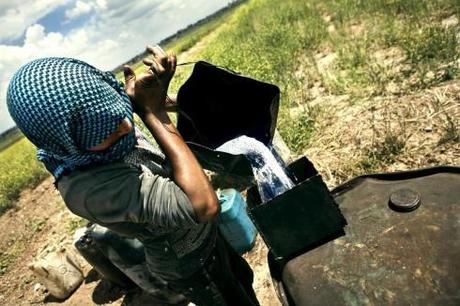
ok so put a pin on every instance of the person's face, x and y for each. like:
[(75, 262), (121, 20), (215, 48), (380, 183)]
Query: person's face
[(124, 128)]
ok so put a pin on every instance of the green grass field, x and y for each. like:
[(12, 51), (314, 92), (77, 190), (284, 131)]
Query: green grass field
[(19, 169), (357, 49), (273, 40)]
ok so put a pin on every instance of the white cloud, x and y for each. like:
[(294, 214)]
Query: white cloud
[(81, 8), (102, 4), (17, 16), (34, 34), (167, 5), (119, 30)]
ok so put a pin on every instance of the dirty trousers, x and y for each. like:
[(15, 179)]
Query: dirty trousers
[(226, 279)]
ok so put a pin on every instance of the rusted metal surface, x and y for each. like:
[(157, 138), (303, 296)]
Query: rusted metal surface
[(386, 257)]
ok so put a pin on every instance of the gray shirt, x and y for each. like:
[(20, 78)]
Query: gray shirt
[(132, 200)]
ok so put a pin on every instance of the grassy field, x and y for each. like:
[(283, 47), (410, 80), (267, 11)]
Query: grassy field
[(361, 53), (19, 169), (352, 52), (283, 42)]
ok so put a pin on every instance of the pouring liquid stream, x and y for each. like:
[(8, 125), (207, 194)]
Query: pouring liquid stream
[(269, 171)]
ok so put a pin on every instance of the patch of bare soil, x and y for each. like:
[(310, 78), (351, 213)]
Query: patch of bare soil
[(38, 221), (263, 285), (414, 131), (450, 21)]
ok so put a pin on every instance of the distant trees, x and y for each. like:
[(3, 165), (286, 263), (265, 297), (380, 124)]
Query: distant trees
[(181, 33)]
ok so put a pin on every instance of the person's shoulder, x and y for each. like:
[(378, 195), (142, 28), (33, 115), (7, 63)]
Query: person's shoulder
[(104, 194), (90, 177)]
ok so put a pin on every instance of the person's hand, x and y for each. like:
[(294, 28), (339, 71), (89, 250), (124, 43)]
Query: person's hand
[(148, 91)]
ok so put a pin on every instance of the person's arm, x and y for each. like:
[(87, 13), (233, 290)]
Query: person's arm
[(171, 103), (187, 172), (148, 93)]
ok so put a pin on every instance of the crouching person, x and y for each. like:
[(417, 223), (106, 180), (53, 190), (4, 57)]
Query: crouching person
[(81, 120)]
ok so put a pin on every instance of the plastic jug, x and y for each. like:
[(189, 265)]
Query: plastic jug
[(59, 272), (234, 223)]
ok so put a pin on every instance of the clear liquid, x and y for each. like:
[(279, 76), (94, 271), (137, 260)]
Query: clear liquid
[(269, 172)]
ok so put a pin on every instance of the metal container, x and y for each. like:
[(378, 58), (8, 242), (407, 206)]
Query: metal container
[(402, 245), (299, 219)]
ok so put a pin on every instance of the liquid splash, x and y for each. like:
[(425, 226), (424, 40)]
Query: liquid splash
[(269, 173)]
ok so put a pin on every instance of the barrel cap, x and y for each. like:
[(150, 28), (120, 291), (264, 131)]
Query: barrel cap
[(404, 200)]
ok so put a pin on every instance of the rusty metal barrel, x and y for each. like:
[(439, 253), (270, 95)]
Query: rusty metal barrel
[(402, 245)]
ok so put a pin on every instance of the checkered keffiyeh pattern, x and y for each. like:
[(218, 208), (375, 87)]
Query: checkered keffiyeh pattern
[(66, 106)]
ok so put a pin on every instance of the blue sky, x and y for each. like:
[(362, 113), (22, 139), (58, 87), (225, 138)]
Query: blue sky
[(103, 33)]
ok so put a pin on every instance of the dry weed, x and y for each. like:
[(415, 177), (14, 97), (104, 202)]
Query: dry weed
[(387, 134)]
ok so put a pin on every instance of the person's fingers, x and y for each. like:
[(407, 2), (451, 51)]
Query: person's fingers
[(155, 77), (130, 78), (158, 54), (154, 68), (129, 74), (162, 57), (160, 51), (151, 76), (150, 49), (173, 62), (147, 61), (158, 68)]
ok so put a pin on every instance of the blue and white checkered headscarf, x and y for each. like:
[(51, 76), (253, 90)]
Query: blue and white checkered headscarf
[(66, 106)]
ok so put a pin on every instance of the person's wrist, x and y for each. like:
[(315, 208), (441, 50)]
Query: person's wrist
[(154, 113), (152, 102)]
